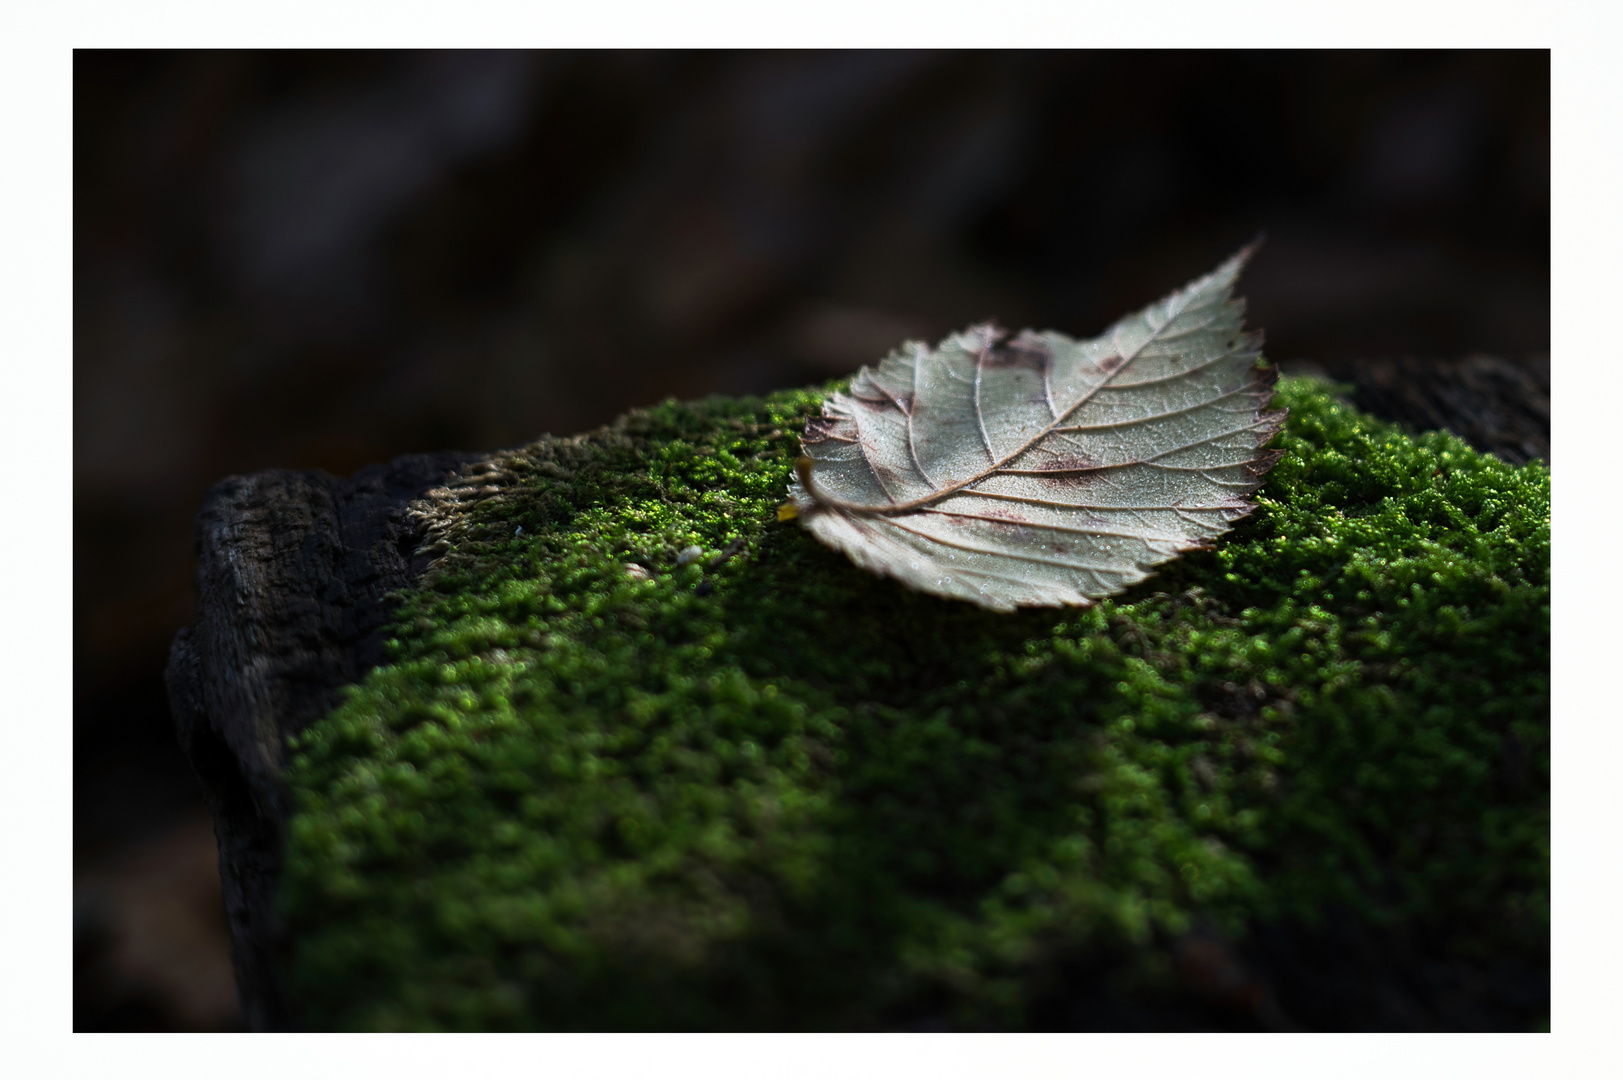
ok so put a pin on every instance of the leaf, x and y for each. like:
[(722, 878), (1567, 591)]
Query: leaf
[(1041, 470)]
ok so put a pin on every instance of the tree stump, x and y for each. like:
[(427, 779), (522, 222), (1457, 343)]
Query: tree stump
[(300, 580)]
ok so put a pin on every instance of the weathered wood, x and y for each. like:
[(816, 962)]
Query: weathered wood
[(1499, 405), (294, 575)]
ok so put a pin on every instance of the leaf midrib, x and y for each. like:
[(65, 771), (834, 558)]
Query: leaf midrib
[(808, 481)]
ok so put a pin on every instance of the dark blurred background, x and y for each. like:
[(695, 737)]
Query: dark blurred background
[(327, 259)]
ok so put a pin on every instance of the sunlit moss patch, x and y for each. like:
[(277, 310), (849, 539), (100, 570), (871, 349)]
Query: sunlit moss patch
[(605, 785)]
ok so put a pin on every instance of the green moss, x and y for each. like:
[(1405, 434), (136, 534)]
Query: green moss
[(774, 791)]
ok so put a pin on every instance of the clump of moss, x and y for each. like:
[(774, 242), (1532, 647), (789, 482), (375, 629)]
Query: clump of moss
[(764, 789)]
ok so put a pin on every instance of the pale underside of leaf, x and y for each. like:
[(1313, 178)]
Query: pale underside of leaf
[(1041, 470)]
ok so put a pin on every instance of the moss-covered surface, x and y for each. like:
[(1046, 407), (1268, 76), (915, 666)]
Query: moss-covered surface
[(770, 790)]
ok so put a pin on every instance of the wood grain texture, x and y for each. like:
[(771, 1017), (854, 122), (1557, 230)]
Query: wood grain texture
[(294, 575)]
